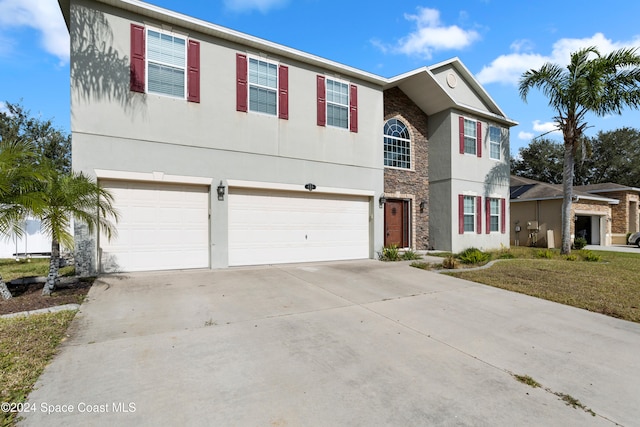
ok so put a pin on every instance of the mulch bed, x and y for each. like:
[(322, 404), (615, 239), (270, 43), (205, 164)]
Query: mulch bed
[(29, 297)]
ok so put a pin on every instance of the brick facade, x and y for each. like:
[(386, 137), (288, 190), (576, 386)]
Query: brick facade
[(625, 214), (413, 184)]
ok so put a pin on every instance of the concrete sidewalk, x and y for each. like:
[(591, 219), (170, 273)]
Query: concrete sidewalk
[(340, 344)]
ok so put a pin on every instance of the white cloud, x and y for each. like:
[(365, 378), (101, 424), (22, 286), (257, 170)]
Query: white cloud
[(543, 127), (430, 35), (508, 69), (248, 5), (526, 136), (42, 15)]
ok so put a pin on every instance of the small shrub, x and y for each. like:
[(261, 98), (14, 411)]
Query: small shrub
[(410, 255), (390, 253), (571, 257), (473, 256), (590, 256), (579, 243), (505, 252), (450, 262), (547, 253)]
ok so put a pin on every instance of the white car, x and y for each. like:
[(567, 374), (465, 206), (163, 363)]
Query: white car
[(634, 239)]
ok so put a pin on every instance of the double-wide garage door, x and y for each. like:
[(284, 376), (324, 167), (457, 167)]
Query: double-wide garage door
[(271, 227), (161, 227), (166, 226)]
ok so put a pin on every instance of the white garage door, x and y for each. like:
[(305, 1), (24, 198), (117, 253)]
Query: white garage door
[(161, 227), (271, 227)]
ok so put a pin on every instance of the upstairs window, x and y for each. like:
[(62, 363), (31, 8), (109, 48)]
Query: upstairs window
[(164, 63), (470, 141), (263, 86), (397, 145), (337, 104), (470, 136), (495, 135)]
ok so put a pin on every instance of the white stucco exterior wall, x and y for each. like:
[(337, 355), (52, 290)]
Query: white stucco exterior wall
[(115, 129)]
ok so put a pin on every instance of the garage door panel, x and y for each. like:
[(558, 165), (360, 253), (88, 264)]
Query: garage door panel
[(278, 227), (161, 227)]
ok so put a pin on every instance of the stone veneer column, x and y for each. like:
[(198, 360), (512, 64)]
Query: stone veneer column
[(410, 184)]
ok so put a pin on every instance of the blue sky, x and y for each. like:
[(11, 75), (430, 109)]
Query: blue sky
[(496, 40)]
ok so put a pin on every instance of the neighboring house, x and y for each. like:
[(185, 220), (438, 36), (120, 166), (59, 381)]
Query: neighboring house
[(223, 149), (625, 216), (32, 242), (536, 215)]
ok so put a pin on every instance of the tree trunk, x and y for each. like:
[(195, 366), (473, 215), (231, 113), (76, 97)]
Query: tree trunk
[(4, 291), (567, 201), (54, 265)]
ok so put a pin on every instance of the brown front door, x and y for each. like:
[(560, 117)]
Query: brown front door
[(396, 223)]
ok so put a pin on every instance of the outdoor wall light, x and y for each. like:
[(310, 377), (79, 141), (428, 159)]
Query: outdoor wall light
[(423, 204), (310, 186), (220, 191), (382, 200)]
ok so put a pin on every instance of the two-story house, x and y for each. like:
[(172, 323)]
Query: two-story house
[(222, 149)]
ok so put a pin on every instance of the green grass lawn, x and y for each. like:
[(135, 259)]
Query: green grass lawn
[(610, 286), (27, 344), (11, 269)]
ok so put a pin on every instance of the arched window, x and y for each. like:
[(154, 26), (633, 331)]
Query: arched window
[(397, 145)]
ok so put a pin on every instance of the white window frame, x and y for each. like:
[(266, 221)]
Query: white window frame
[(475, 136), (469, 214), (493, 215), (397, 138), (347, 105), (147, 60), (259, 86), (493, 144)]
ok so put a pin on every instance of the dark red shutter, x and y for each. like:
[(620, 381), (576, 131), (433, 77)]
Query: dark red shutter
[(479, 214), (353, 108), (479, 137), (322, 109), (241, 82), (503, 216), (193, 75), (460, 214), (487, 213), (283, 84), (137, 71), (461, 130)]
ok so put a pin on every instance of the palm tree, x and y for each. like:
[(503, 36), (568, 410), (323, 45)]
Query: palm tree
[(591, 83), (78, 197), (20, 180)]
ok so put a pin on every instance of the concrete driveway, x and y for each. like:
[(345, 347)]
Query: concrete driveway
[(359, 343)]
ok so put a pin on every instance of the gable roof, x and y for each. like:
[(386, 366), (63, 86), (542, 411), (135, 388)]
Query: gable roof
[(526, 190), (427, 93), (420, 84)]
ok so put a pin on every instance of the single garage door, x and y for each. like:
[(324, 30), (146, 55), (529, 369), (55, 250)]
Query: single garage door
[(271, 227), (161, 227)]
